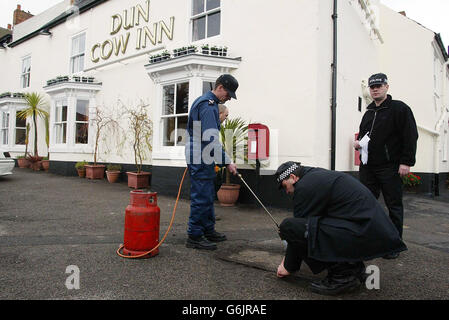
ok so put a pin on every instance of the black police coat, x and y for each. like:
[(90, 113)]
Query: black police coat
[(345, 222), (392, 131)]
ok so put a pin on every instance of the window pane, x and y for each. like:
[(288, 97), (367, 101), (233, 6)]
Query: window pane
[(197, 6), (5, 136), (182, 130), (82, 110), (20, 123), (182, 98), (169, 98), (199, 29), (212, 4), (213, 24), (81, 63), (207, 86), (64, 113), (82, 133), (169, 131), (20, 136), (82, 43), (61, 132)]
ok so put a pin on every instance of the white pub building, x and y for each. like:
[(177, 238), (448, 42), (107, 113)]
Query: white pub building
[(302, 66)]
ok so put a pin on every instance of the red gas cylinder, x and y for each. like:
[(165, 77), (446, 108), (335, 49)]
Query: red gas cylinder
[(142, 218)]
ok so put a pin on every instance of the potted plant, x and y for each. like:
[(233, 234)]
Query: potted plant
[(90, 79), (35, 108), (191, 49), (411, 182), (233, 133), (113, 172), (45, 163), (141, 131), (80, 168), (165, 55), (214, 51), (77, 78), (23, 162), (224, 51), (205, 49), (100, 122)]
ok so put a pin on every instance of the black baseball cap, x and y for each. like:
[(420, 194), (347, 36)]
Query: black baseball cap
[(378, 78), (284, 171), (229, 83)]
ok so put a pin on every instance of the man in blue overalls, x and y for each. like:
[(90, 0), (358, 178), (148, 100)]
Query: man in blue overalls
[(203, 150)]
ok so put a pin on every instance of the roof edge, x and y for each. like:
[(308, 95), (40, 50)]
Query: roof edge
[(57, 21)]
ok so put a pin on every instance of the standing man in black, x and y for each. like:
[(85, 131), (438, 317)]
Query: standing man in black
[(390, 129)]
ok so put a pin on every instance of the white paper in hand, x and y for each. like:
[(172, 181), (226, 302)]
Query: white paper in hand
[(364, 148)]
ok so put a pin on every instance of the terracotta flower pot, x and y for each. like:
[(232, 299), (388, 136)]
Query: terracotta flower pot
[(46, 164), (23, 163), (228, 194), (95, 171), (81, 172), (138, 180), (112, 176)]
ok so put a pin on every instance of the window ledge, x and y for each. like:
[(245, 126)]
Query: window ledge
[(190, 63), (74, 149), (72, 85)]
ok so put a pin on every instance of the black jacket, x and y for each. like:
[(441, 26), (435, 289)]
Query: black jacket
[(345, 222), (393, 133)]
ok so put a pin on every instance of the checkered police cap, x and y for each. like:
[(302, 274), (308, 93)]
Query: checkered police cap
[(286, 169)]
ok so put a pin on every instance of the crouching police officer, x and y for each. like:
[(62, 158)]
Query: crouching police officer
[(337, 225), (203, 152)]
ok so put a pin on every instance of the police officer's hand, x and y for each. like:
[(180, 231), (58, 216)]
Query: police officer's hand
[(232, 168), (403, 170), (282, 272)]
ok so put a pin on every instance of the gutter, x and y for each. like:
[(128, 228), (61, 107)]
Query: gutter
[(56, 21), (334, 88)]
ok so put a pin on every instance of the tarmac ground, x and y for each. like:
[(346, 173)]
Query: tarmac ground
[(51, 225)]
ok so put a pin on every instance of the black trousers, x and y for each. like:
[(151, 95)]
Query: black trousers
[(293, 231), (386, 179)]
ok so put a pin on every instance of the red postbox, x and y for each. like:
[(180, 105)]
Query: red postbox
[(356, 153), (258, 141)]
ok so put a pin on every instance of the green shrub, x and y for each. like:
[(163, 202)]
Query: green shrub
[(114, 167), (81, 164)]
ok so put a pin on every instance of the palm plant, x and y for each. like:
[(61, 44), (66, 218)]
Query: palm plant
[(234, 136), (36, 107)]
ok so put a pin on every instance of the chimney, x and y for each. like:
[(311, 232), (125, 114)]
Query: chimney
[(20, 16), (403, 13)]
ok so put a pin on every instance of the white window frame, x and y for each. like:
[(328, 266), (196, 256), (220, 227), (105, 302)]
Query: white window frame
[(81, 122), (4, 127), (18, 128), (174, 115), (72, 91), (78, 55), (11, 106), (59, 105), (25, 75), (194, 69), (205, 13)]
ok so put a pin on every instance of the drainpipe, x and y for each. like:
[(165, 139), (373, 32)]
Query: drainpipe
[(334, 89), (438, 129)]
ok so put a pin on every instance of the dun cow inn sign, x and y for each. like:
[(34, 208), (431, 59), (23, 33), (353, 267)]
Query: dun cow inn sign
[(132, 18)]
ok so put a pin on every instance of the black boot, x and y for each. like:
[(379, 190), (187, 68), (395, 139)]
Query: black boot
[(341, 278), (215, 236), (200, 243)]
